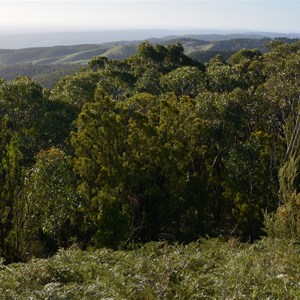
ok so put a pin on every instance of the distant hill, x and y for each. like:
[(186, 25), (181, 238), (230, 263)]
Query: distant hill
[(193, 46), (120, 51), (81, 54), (18, 41), (46, 75), (48, 64), (51, 55)]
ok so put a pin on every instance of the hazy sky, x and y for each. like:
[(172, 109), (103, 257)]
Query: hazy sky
[(43, 15)]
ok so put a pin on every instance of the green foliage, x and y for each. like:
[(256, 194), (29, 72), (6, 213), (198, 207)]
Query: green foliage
[(221, 77), (11, 245), (136, 156), (243, 69), (285, 222), (183, 81), (283, 67), (208, 269), (149, 82), (24, 131), (45, 75), (161, 148), (51, 196), (250, 188), (75, 90)]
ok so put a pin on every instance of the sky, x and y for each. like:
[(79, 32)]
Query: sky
[(55, 16)]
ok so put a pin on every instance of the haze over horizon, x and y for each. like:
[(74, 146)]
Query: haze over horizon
[(19, 17)]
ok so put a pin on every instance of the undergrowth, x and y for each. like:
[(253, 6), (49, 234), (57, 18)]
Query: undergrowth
[(207, 269)]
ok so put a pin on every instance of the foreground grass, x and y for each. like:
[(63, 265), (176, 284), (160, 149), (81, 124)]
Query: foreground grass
[(208, 269)]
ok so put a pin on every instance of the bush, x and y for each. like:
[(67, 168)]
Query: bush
[(207, 269)]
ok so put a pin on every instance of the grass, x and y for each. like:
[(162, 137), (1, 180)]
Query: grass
[(85, 55), (208, 269), (120, 52)]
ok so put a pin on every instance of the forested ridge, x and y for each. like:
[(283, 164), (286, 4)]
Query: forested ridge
[(154, 147)]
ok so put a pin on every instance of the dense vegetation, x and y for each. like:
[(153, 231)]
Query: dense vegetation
[(153, 147), (209, 269), (46, 75)]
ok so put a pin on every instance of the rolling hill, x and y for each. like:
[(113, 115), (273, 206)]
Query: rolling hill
[(81, 54), (48, 64)]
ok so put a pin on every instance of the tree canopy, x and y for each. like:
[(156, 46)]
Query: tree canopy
[(155, 146)]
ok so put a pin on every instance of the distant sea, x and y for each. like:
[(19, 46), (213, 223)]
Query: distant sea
[(28, 40)]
